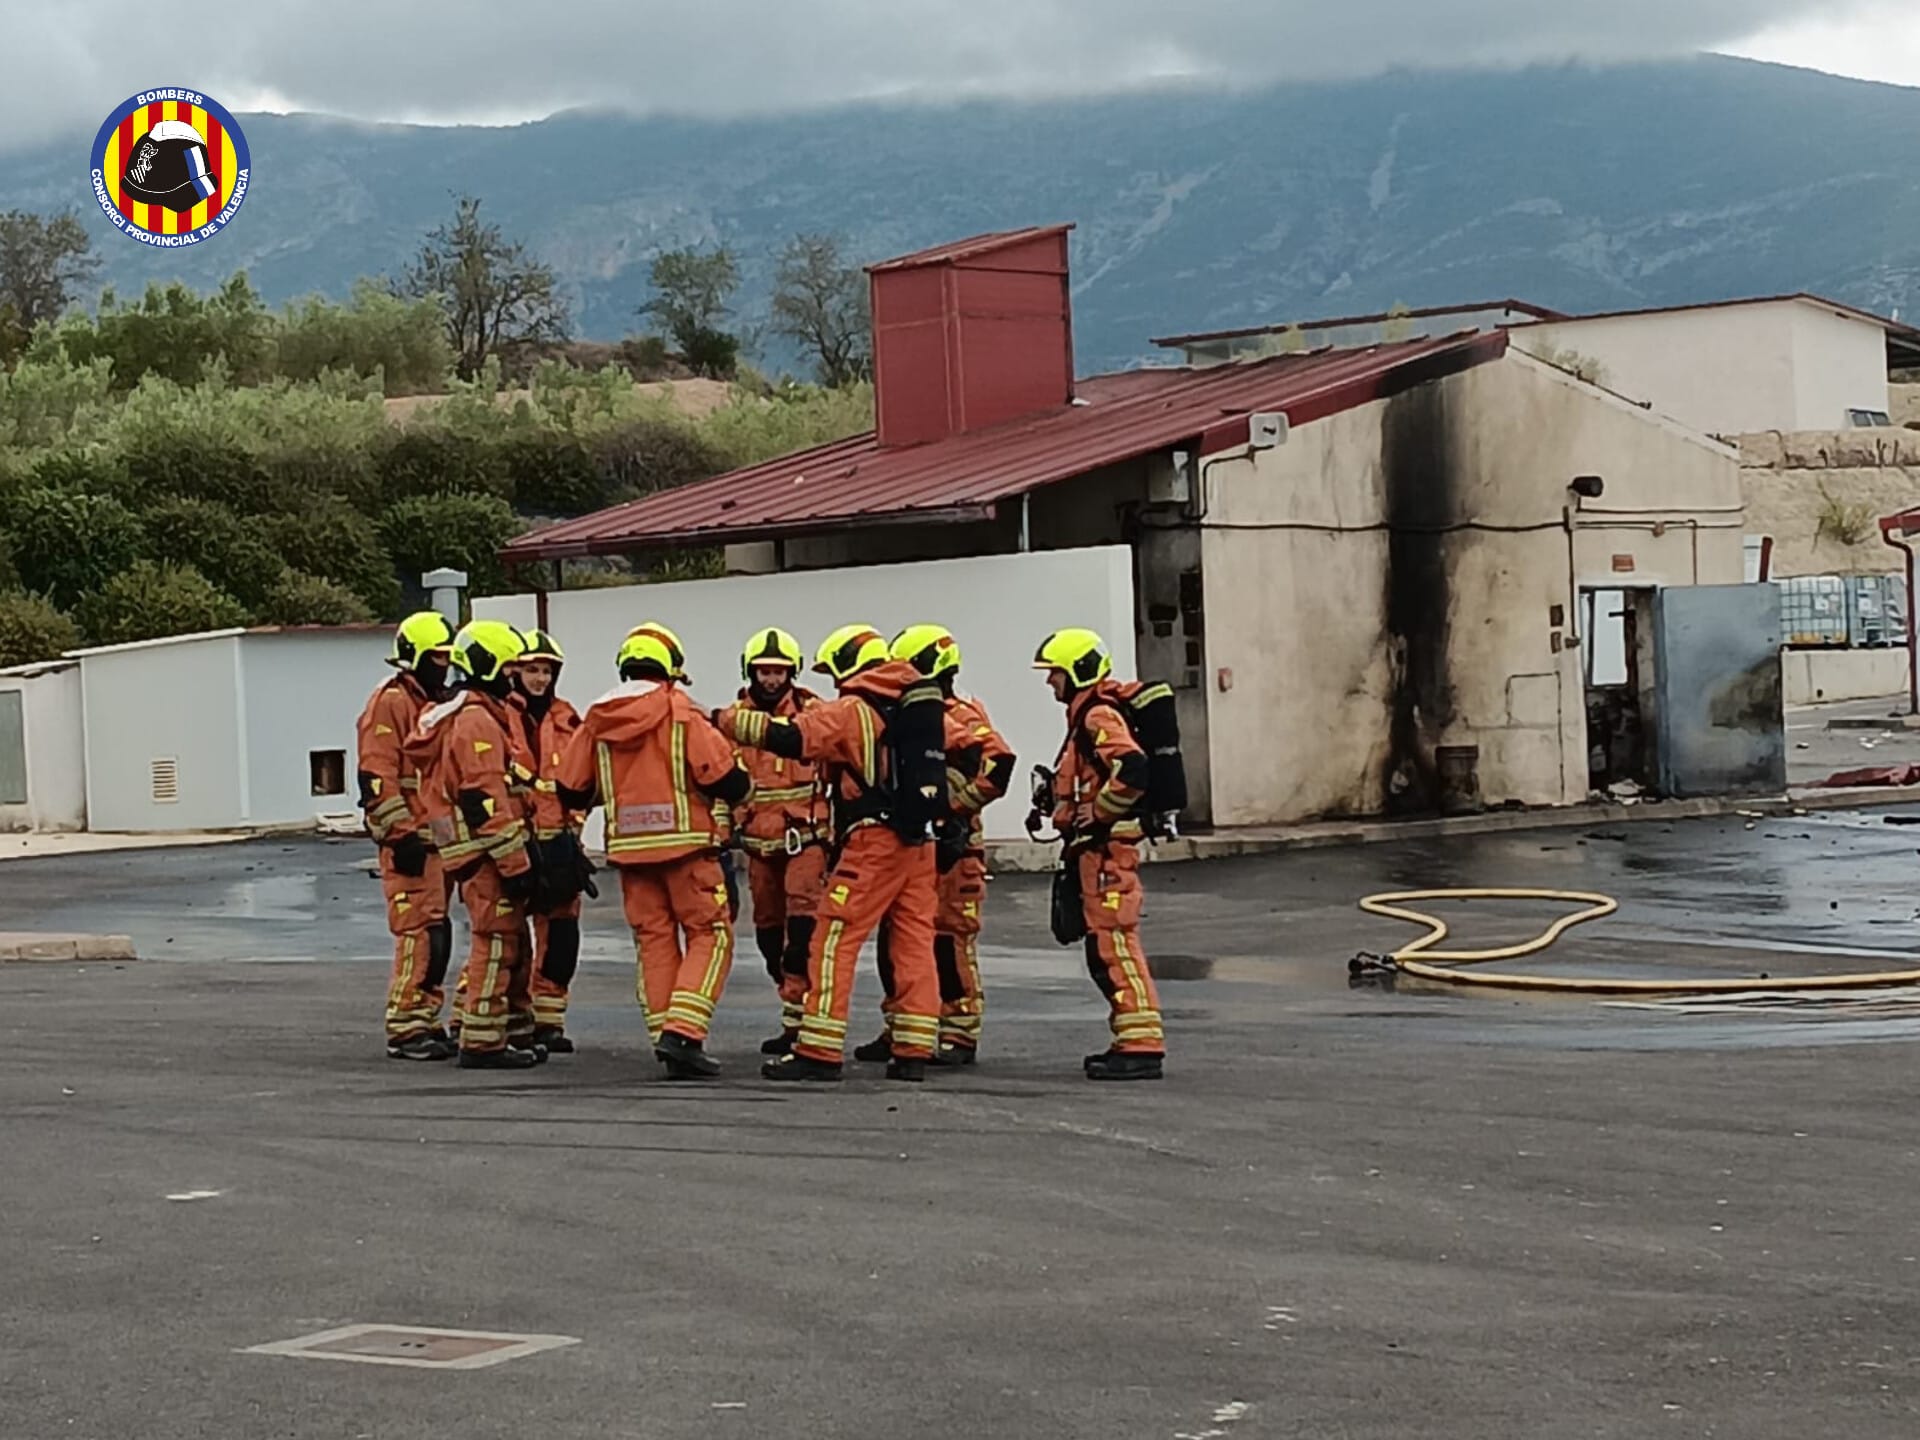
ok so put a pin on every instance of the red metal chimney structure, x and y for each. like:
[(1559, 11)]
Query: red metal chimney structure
[(971, 334)]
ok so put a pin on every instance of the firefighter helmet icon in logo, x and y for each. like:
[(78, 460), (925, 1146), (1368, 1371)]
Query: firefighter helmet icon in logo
[(170, 167)]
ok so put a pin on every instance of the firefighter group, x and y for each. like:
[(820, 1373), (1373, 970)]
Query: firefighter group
[(858, 817)]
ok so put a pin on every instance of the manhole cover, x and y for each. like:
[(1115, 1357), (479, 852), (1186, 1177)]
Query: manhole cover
[(418, 1346)]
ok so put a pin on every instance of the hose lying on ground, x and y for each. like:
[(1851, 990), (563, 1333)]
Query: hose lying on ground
[(1422, 961)]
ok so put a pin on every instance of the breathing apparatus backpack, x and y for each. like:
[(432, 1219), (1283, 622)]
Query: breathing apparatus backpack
[(1153, 719), (911, 797)]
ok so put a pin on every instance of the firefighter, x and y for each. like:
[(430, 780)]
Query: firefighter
[(647, 754), (980, 767), (880, 869), (676, 652), (1099, 780), (549, 723), (783, 828), (411, 874), (472, 753)]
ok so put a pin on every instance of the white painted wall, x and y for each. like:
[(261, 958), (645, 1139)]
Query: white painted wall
[(1301, 616), (1732, 370), (1839, 364), (1817, 677), (175, 699), (999, 607), (304, 691), (56, 763)]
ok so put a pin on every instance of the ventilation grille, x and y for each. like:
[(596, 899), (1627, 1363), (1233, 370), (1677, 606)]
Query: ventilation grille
[(166, 781)]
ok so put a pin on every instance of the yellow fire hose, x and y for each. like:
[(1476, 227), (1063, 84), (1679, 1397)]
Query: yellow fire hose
[(1422, 961)]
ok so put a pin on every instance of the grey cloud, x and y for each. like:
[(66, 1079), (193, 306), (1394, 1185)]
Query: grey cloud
[(494, 59)]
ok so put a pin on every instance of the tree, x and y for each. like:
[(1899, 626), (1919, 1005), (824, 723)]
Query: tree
[(148, 601), (44, 259), (466, 532), (65, 543), (822, 304), (692, 289), (215, 541), (32, 629), (493, 294)]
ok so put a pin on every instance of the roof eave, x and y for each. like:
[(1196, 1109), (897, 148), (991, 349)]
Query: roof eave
[(532, 551)]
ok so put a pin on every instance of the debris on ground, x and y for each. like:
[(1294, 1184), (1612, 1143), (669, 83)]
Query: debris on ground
[(1908, 774)]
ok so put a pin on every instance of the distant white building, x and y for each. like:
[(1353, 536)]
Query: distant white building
[(43, 767), (1735, 367)]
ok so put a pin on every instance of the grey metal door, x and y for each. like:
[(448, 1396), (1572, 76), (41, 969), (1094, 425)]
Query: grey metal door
[(13, 750), (1720, 725)]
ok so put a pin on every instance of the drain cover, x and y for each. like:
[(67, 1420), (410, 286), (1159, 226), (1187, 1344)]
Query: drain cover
[(414, 1345)]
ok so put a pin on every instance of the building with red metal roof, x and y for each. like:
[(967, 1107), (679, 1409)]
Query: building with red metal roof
[(1370, 572)]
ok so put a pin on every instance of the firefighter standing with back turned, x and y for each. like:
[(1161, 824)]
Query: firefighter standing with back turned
[(667, 779), (782, 827), (549, 722), (1099, 782), (980, 767), (879, 748), (471, 751), (411, 873)]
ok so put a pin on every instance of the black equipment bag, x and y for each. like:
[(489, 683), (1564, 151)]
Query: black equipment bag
[(1064, 913)]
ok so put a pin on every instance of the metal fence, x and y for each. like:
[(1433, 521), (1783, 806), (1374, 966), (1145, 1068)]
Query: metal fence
[(1862, 612)]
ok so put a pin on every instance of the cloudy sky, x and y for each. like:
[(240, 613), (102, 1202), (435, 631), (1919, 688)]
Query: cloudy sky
[(503, 60)]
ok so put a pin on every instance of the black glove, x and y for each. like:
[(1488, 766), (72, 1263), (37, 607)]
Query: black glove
[(410, 854), (520, 888), (951, 840)]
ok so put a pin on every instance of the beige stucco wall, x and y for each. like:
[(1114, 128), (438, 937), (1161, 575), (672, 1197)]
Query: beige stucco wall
[(1782, 365), (1339, 635), (1818, 495), (1904, 403)]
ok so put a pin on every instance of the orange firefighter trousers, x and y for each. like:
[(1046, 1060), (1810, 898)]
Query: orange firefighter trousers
[(422, 946), (1111, 897), (963, 890), (556, 956), (877, 877), (679, 983), (496, 1001), (786, 896)]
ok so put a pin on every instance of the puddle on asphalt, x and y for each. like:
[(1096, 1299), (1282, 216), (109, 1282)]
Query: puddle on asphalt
[(1176, 968)]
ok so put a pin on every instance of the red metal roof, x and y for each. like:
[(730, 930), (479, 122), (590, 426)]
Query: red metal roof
[(1342, 322), (969, 248), (1115, 418)]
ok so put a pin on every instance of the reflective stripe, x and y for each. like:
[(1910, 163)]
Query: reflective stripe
[(829, 954), (782, 797), (868, 764), (603, 756), (634, 843), (716, 966), (680, 775)]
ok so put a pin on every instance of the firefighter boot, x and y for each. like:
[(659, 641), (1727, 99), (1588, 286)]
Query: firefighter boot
[(913, 1071), (553, 1040), (781, 1044), (498, 1059), (875, 1052), (424, 1046), (949, 1057), (685, 1059), (800, 1068), (1121, 1065)]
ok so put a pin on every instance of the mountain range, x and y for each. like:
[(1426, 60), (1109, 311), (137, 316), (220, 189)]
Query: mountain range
[(1578, 187)]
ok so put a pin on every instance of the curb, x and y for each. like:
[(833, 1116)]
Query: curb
[(1013, 857), (28, 947)]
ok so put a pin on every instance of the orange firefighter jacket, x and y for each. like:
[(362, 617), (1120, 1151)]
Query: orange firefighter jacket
[(979, 761), (666, 777), (546, 736), (1101, 773), (472, 759), (389, 783), (787, 794), (845, 737)]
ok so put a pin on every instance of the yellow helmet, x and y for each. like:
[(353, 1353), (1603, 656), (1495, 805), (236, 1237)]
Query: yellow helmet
[(484, 648), (641, 648), (542, 646), (678, 652), (1080, 654), (849, 650), (771, 646), (423, 633), (931, 649)]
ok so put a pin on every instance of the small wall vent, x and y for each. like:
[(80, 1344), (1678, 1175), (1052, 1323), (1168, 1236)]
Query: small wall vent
[(166, 780)]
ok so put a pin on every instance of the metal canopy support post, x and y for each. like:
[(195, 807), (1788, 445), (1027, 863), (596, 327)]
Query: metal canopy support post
[(1894, 530), (1026, 521)]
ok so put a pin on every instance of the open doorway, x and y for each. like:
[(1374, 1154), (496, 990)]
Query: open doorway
[(1618, 660)]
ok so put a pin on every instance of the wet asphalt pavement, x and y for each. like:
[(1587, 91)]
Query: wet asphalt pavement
[(1347, 1212)]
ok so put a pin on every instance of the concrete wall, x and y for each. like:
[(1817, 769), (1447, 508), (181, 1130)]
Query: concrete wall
[(1784, 365), (1397, 578), (56, 762), (177, 700), (1815, 677), (1818, 493), (304, 691), (999, 606)]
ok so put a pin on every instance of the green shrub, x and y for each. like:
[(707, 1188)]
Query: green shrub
[(32, 629), (431, 460), (646, 455), (66, 543), (329, 538), (463, 531), (552, 474), (208, 536), (298, 598), (148, 601)]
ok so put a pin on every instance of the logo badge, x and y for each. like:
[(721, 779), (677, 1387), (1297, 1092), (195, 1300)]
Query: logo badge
[(170, 167)]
